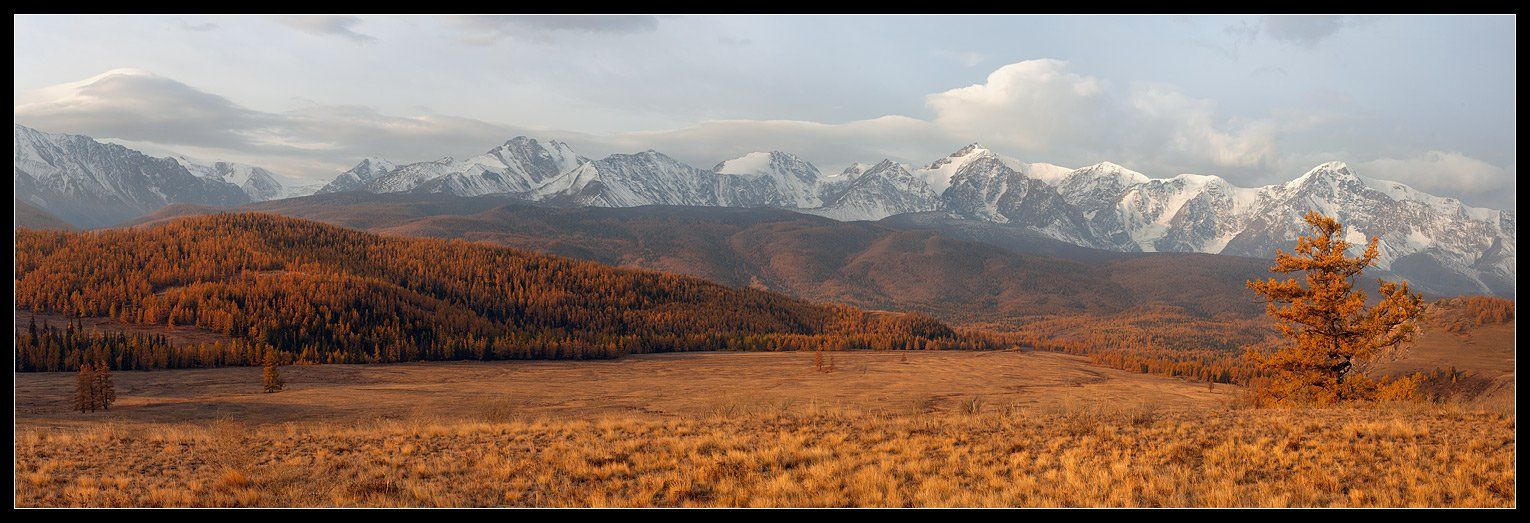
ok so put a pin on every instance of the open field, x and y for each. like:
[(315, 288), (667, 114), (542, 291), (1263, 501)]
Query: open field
[(801, 457), (657, 385), (738, 429)]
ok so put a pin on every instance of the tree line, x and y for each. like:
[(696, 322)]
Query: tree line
[(322, 294)]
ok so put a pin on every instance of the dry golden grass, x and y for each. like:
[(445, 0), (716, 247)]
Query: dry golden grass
[(1484, 354), (794, 457), (902, 429), (646, 385)]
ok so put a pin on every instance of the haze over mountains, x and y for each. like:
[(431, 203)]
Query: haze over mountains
[(1437, 241)]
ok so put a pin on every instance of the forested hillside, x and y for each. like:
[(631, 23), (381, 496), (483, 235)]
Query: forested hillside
[(977, 272), (320, 293)]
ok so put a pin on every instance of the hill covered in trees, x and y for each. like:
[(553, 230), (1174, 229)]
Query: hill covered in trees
[(955, 270), (321, 293)]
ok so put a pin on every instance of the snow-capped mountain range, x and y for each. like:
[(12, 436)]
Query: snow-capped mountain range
[(256, 182), (92, 184), (1103, 206)]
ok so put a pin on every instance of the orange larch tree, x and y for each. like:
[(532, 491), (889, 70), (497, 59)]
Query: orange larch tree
[(1333, 335)]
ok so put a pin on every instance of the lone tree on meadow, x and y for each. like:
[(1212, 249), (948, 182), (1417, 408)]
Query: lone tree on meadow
[(273, 380), (1333, 336), (85, 388), (105, 391), (93, 389)]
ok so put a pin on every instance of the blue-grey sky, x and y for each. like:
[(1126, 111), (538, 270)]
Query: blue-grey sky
[(1426, 100)]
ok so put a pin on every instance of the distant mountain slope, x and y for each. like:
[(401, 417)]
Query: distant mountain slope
[(93, 184), (1439, 244), (256, 182), (1423, 237), (991, 272), (875, 192), (325, 293), (1435, 242), (29, 216)]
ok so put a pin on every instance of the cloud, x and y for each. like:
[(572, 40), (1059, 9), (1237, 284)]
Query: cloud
[(1448, 173), (1040, 108), (341, 26), (1037, 110), (348, 132), (315, 141), (1268, 71), (1235, 38), (1302, 30), (827, 145), (966, 58), (200, 28), (134, 102), (1166, 127), (732, 41), (1307, 30), (1032, 105), (488, 29)]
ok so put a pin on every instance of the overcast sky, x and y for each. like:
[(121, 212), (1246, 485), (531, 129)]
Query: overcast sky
[(1429, 101)]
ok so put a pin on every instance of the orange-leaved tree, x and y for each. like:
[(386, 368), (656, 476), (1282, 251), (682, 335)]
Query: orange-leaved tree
[(273, 379), (1333, 335)]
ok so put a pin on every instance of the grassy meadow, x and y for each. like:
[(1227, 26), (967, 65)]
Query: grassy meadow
[(1009, 429)]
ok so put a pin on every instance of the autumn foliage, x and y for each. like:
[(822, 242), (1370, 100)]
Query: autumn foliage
[(323, 294), (1162, 340), (1462, 313), (1332, 334), (271, 378), (93, 388)]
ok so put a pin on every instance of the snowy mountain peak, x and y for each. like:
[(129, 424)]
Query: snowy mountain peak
[(1200, 179), (365, 171), (757, 164), (1334, 166), (969, 149), (750, 164), (1329, 171), (528, 162), (854, 170), (772, 178), (876, 192), (1046, 172), (528, 146), (259, 183), (371, 164), (1108, 169), (961, 156), (941, 173)]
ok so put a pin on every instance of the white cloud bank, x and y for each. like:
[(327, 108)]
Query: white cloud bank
[(341, 26), (1449, 173)]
